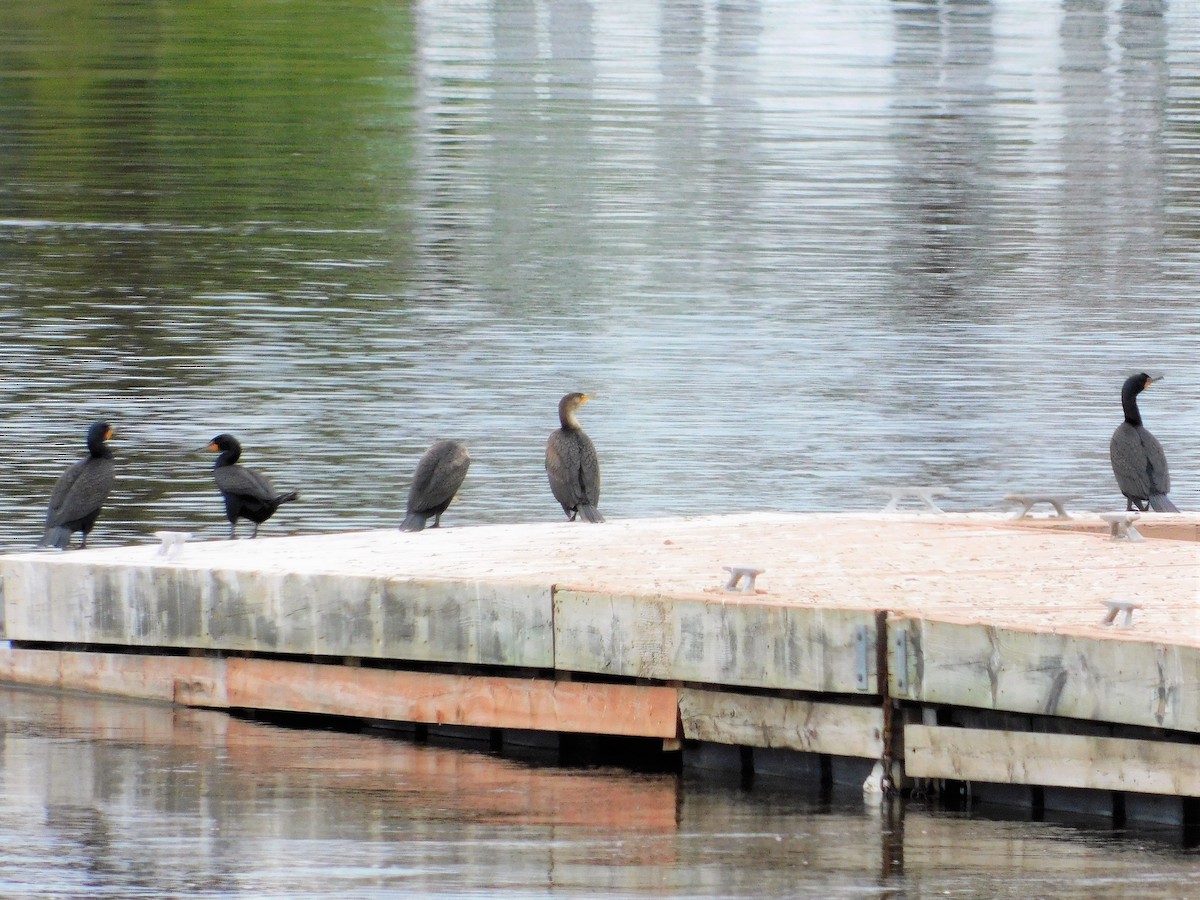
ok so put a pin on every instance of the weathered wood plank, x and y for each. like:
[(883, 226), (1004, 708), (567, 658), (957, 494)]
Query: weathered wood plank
[(977, 665), (757, 721), (190, 681), (473, 700), (57, 600), (722, 640), (1059, 760)]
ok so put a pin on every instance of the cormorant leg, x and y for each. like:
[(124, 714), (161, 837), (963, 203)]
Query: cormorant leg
[(254, 533)]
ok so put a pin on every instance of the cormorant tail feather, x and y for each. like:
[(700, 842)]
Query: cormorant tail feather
[(1162, 503), (413, 522), (56, 536), (589, 513)]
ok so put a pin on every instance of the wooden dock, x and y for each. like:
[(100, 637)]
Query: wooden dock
[(962, 649)]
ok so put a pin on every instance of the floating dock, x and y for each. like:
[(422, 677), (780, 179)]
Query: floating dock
[(1038, 661)]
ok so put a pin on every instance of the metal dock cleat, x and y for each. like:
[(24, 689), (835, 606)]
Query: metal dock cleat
[(1120, 526), (924, 493), (736, 576), (1123, 607), (1028, 501), (172, 543)]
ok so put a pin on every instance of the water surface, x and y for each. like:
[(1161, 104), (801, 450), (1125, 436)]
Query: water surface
[(797, 249), (108, 798)]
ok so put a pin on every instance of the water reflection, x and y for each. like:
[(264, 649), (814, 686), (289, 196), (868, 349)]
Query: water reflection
[(798, 250), (107, 798)]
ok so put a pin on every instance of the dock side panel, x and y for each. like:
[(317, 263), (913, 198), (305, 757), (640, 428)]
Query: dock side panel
[(724, 640), (1041, 673), (58, 600), (1060, 760), (445, 699)]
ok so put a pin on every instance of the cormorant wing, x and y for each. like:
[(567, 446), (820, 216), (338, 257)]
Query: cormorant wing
[(1156, 464), (439, 475), (237, 479), (589, 471), (81, 489), (562, 469)]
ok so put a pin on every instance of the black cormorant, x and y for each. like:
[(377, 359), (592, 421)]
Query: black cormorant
[(439, 475), (572, 465), (1138, 460), (81, 491), (248, 494)]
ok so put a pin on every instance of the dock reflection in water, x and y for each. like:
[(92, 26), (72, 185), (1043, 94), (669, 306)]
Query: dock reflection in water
[(108, 798)]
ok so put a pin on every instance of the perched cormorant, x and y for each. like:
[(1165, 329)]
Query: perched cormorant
[(1138, 460), (439, 475), (81, 491), (248, 494), (572, 465)]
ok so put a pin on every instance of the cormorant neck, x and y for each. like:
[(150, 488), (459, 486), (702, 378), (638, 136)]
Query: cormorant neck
[(566, 418), (99, 449), (1129, 403), (227, 458)]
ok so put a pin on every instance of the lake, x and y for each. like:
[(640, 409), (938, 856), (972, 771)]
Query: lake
[(799, 250)]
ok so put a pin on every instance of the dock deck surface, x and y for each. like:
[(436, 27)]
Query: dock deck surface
[(1043, 575)]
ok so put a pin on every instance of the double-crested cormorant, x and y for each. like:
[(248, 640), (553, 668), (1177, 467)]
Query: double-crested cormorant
[(439, 475), (248, 494), (80, 492), (1138, 460), (572, 465)]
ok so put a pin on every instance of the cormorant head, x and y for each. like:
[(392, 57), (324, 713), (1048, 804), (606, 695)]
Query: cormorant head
[(97, 434), (227, 445), (567, 406), (1133, 386)]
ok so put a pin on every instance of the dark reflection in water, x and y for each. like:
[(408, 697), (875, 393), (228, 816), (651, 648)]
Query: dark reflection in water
[(105, 798)]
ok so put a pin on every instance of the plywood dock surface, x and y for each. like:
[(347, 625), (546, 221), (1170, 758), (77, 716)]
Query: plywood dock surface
[(967, 568)]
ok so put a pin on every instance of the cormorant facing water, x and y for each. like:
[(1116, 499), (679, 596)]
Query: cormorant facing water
[(572, 465), (248, 494), (439, 475), (80, 492), (1138, 460)]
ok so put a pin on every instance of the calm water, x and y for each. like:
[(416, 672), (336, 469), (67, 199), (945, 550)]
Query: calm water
[(799, 249), (105, 798)]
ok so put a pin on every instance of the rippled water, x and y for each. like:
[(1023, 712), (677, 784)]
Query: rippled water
[(104, 798), (799, 249)]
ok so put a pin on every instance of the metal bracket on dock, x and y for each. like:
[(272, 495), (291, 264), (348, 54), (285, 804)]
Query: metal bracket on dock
[(737, 574), (913, 492), (1120, 526), (1028, 501), (1125, 608), (172, 543), (862, 657), (901, 643)]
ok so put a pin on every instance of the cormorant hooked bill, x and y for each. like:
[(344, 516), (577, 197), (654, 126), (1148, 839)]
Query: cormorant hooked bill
[(1138, 460), (248, 494), (439, 475), (81, 491), (572, 465)]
